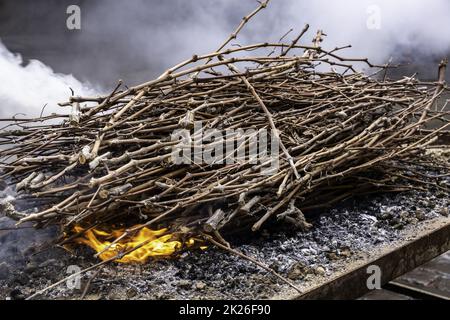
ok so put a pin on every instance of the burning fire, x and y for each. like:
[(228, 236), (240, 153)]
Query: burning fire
[(148, 243)]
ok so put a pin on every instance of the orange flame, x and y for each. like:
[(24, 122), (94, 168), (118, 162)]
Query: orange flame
[(148, 243)]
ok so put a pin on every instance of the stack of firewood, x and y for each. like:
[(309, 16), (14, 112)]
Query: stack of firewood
[(330, 133)]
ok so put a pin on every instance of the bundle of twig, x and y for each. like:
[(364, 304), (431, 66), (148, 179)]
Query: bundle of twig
[(339, 132)]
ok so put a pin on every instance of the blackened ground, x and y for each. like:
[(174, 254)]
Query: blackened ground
[(340, 237)]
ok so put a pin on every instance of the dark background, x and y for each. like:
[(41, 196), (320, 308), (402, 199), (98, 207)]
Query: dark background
[(130, 39), (135, 39)]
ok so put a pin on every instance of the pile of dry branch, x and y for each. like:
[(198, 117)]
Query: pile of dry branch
[(340, 133)]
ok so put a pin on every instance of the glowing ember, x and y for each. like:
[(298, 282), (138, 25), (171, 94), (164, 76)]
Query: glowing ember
[(148, 243)]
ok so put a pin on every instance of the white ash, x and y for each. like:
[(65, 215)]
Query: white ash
[(338, 235)]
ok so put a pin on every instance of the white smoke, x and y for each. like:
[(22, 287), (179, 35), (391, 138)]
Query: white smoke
[(412, 27), (27, 88), (159, 34)]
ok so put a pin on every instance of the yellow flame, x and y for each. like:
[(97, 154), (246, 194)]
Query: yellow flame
[(148, 243)]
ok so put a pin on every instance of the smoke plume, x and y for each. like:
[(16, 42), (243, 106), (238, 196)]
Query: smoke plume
[(136, 40), (27, 88)]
